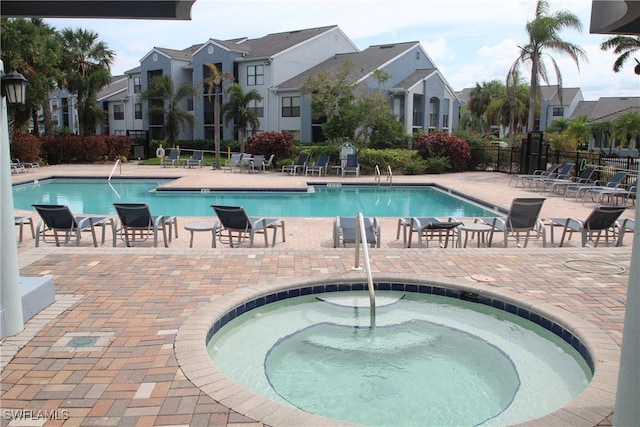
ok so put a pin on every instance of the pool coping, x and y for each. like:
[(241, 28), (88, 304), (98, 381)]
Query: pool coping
[(595, 403)]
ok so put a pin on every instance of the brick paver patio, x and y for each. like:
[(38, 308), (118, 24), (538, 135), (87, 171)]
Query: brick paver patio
[(132, 305)]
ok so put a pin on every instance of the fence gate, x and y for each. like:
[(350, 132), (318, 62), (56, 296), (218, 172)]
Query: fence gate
[(534, 153)]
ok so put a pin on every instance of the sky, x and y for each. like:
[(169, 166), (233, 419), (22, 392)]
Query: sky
[(470, 41)]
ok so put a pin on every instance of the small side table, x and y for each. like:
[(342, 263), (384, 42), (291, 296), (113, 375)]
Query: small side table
[(476, 227), (193, 227)]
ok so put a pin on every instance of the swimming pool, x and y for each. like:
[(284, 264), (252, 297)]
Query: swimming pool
[(97, 197)]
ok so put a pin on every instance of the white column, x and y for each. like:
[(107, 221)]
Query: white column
[(627, 412), (10, 298)]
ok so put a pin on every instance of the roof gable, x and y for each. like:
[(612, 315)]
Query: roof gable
[(363, 63)]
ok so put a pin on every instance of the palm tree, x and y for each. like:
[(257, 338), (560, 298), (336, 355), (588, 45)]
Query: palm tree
[(161, 87), (626, 128), (238, 110), (624, 46), (86, 65), (213, 84), (516, 104), (544, 34), (33, 48)]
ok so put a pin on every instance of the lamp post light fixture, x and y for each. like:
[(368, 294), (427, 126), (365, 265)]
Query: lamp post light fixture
[(14, 88), (13, 92)]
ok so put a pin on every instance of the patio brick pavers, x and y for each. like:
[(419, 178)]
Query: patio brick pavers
[(143, 296)]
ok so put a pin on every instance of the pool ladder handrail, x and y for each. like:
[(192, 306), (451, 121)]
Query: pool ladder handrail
[(114, 169), (361, 239), (389, 175)]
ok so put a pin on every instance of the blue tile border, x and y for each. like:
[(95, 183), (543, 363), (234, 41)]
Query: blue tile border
[(522, 312)]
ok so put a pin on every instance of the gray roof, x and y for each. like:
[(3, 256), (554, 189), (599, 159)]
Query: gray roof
[(414, 78), (118, 84), (363, 63), (263, 47), (584, 108), (610, 108), (465, 94), (550, 93)]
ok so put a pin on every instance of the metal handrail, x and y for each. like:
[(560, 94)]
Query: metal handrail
[(389, 175), (361, 239), (377, 177), (114, 169)]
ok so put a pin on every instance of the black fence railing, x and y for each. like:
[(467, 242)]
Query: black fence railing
[(510, 160)]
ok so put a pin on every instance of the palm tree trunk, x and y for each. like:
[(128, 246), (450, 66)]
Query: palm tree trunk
[(533, 94)]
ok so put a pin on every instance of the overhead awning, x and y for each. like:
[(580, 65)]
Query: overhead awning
[(117, 9), (615, 17)]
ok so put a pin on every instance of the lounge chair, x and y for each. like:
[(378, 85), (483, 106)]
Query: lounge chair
[(172, 159), (58, 219), (257, 164), (549, 173), (352, 165), (301, 164), (245, 162), (344, 230), (580, 189), (321, 165), (628, 225), (233, 163), (563, 173), (602, 218), (21, 221), (17, 168), (196, 159), (429, 228), (522, 218), (269, 163), (558, 186), (612, 195), (238, 226), (136, 222), (29, 165)]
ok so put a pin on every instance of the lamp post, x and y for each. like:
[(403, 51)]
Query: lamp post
[(13, 92)]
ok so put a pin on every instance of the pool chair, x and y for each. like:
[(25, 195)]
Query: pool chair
[(269, 163), (57, 221), (612, 196), (538, 181), (196, 159), (352, 165), (237, 226), (548, 173), (233, 163), (321, 165), (429, 229), (137, 224), (558, 186), (601, 219), (628, 226), (521, 219), (172, 159), (17, 168), (21, 221), (580, 190), (256, 163), (344, 230), (301, 164)]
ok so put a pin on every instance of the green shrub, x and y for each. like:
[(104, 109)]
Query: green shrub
[(437, 164)]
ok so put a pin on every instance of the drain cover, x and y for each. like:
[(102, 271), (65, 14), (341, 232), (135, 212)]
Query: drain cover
[(79, 342)]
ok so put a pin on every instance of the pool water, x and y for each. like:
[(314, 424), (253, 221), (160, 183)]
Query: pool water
[(428, 360), (98, 196)]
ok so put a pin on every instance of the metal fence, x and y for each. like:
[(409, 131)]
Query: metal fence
[(510, 160)]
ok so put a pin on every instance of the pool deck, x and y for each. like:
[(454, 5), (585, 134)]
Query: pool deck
[(144, 310)]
